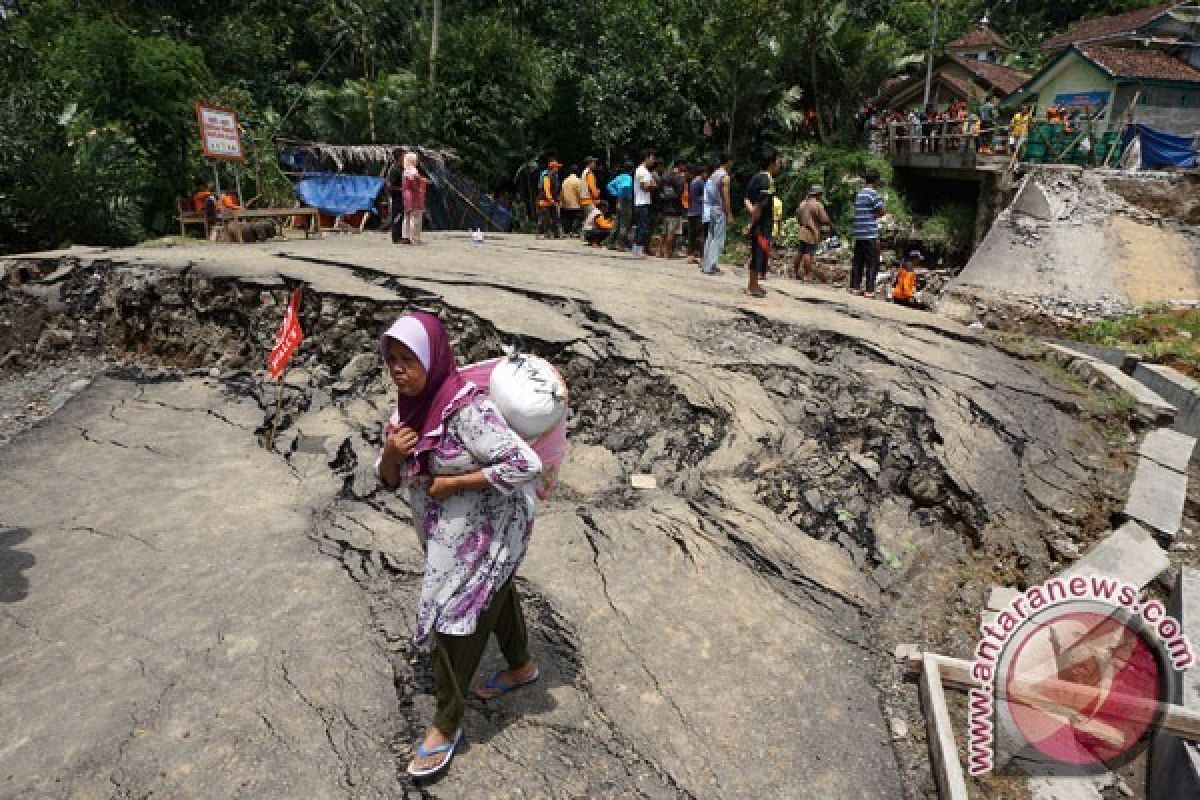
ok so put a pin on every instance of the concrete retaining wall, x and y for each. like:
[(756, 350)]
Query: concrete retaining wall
[(1177, 389)]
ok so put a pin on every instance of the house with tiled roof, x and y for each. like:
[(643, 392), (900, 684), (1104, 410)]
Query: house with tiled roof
[(970, 70), (1173, 28), (1118, 85), (980, 44), (955, 77)]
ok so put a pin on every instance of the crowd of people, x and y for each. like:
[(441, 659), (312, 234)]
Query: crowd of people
[(656, 209), (954, 128)]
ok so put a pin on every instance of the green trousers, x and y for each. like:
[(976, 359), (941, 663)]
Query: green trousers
[(455, 658)]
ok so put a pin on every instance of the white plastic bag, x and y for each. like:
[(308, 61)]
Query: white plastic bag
[(529, 394)]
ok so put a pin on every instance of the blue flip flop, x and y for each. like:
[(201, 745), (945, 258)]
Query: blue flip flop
[(493, 682), (448, 748)]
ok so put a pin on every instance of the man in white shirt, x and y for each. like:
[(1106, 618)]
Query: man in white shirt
[(643, 197)]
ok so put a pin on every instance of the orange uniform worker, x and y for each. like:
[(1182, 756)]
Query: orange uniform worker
[(201, 197), (598, 225), (547, 200), (591, 193)]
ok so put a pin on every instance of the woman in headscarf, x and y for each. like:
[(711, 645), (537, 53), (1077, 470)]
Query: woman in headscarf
[(470, 482)]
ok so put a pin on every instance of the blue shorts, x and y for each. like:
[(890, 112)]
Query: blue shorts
[(806, 249)]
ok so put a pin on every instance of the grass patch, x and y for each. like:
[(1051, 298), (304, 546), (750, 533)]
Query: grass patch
[(1160, 335), (1104, 401), (1018, 345)]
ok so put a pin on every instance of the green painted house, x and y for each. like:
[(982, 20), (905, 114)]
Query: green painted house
[(1118, 84)]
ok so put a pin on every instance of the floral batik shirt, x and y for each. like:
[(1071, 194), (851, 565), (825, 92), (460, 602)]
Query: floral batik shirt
[(473, 540)]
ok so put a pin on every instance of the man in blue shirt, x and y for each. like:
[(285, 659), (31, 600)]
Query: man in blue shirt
[(620, 189), (868, 208)]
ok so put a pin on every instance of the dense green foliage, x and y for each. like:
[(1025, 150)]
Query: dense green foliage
[(98, 133)]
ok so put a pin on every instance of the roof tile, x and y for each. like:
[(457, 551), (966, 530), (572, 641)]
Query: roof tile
[(1122, 62), (1105, 27), (1002, 78), (979, 37)]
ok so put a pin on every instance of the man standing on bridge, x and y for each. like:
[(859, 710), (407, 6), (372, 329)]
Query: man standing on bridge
[(868, 208)]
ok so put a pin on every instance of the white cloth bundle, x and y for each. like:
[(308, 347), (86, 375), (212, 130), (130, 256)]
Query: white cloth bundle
[(529, 394)]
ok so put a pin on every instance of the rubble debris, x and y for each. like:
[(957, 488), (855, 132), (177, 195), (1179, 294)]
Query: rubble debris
[(643, 482)]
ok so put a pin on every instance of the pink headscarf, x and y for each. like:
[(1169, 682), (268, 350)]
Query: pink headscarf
[(445, 392)]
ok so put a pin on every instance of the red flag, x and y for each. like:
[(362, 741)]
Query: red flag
[(288, 338)]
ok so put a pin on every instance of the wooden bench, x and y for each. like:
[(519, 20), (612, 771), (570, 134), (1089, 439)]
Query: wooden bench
[(239, 214), (189, 216)]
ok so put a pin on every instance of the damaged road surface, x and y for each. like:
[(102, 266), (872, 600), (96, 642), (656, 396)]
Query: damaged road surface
[(185, 613), (169, 629)]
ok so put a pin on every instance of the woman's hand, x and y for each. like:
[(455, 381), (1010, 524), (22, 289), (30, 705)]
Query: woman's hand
[(443, 486), (401, 443), (398, 447)]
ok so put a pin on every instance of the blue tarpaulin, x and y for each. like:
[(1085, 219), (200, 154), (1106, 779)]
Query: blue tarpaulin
[(339, 194), (499, 216), (1161, 149)]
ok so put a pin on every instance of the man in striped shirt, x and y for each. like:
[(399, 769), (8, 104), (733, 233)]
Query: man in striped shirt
[(868, 208)]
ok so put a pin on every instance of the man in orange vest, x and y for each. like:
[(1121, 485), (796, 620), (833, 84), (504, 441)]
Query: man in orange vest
[(205, 201), (591, 192), (547, 200)]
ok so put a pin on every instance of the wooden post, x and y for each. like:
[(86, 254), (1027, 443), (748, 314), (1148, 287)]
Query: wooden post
[(956, 673), (278, 412), (952, 785)]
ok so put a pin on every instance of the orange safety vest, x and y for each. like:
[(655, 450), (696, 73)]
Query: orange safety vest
[(591, 193), (199, 199), (546, 198), (905, 287)]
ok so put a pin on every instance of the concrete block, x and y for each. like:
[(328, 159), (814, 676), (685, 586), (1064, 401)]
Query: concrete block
[(1000, 597), (1174, 763), (1177, 389), (1031, 201), (1150, 405), (1157, 496), (1170, 448), (1129, 554), (1121, 359)]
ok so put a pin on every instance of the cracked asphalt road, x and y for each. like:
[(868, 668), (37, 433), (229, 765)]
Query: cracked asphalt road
[(177, 634), (186, 614)]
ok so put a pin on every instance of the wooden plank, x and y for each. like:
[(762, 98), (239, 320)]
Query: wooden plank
[(947, 768), (956, 673)]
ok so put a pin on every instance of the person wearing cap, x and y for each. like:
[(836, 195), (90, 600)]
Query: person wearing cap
[(813, 219), (591, 193), (868, 208), (547, 201)]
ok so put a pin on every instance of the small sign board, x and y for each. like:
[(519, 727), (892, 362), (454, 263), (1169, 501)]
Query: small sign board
[(220, 136), (1082, 99)]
